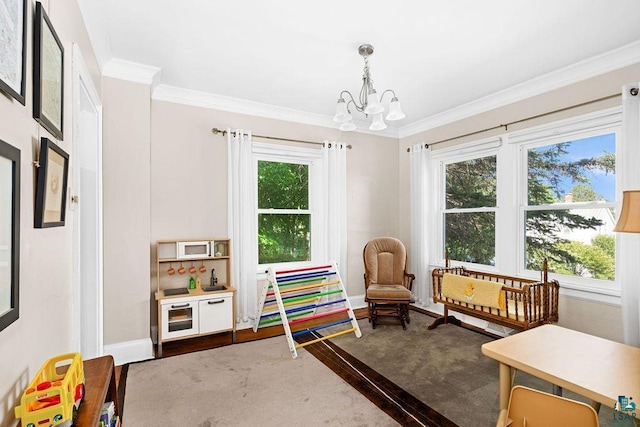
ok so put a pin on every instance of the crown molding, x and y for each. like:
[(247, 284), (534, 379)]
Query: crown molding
[(132, 71), (235, 105), (588, 68), (601, 64)]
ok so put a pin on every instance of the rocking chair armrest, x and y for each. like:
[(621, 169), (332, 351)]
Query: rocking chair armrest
[(408, 280)]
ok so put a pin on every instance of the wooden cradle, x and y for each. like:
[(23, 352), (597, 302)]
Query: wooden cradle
[(529, 303)]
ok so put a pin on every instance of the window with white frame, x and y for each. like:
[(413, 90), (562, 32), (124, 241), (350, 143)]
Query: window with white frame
[(569, 211), (287, 183), (469, 211), (543, 193), (284, 217)]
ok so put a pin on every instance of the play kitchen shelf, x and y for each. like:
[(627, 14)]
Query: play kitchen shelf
[(193, 289)]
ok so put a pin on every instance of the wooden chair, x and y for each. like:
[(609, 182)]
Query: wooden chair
[(387, 284), (533, 408)]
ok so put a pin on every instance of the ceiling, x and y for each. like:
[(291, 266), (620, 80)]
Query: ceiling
[(436, 55)]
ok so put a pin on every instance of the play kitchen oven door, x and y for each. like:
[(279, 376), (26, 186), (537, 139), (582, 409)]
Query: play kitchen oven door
[(194, 250), (179, 319)]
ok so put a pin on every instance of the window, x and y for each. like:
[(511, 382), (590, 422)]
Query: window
[(570, 214), (469, 215), (542, 193), (284, 218)]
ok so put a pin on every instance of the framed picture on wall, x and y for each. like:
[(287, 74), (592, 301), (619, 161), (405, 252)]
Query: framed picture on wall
[(9, 234), (51, 185), (13, 49), (48, 74)]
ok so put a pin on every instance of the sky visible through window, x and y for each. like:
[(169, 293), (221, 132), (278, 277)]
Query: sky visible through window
[(603, 183)]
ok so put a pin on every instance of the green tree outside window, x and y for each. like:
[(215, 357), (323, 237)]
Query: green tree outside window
[(284, 219)]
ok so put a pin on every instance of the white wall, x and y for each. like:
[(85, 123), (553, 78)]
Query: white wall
[(44, 328), (189, 176), (127, 210)]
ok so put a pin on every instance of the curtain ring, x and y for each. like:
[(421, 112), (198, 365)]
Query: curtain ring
[(633, 91)]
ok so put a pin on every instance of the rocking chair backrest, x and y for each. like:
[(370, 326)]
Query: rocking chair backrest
[(385, 260)]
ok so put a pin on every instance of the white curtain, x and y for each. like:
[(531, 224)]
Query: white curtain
[(628, 270), (334, 204), (419, 187), (242, 223)]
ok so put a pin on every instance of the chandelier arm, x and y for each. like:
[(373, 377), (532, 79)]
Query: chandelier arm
[(353, 101), (354, 105), (388, 90)]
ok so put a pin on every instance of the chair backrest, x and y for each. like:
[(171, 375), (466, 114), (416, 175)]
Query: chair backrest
[(531, 408), (385, 260)]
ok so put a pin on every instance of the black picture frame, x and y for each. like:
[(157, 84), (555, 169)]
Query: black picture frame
[(48, 74), (9, 234), (51, 185), (13, 49)]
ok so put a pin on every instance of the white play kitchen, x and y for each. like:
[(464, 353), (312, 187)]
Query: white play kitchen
[(194, 291)]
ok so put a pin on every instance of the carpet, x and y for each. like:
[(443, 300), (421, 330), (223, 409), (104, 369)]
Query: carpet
[(253, 383), (435, 378), (443, 368)]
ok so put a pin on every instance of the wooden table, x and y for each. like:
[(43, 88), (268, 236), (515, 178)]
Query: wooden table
[(593, 367), (100, 386)]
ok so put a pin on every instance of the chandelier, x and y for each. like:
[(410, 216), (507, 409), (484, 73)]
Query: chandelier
[(368, 103)]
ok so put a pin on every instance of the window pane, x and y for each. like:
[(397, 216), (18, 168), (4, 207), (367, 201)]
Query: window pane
[(284, 238), (472, 183), (283, 185), (577, 242), (578, 171), (470, 237)]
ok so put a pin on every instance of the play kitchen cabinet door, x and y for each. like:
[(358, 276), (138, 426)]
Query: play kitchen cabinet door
[(179, 319), (216, 314)]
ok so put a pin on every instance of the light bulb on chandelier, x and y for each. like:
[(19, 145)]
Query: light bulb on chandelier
[(369, 102)]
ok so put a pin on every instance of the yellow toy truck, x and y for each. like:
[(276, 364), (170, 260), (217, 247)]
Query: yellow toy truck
[(54, 395)]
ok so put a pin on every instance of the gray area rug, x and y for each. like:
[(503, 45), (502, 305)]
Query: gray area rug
[(249, 384), (444, 368)]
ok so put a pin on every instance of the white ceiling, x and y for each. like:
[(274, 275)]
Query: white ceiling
[(436, 55)]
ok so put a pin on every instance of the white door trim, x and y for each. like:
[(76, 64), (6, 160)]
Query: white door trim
[(88, 304)]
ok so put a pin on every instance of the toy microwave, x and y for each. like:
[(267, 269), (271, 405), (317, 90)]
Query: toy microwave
[(193, 250)]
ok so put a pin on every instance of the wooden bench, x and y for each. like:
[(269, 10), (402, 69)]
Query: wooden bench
[(530, 303), (100, 386)]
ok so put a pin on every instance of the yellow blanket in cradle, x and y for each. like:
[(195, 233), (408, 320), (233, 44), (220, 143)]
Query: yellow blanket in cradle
[(473, 291)]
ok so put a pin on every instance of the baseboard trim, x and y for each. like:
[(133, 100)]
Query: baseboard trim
[(468, 322), (357, 301), (130, 351), (143, 349)]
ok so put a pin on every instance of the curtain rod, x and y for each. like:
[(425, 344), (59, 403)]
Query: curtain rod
[(537, 116), (224, 133)]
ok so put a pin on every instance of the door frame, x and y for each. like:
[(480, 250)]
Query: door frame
[(88, 302)]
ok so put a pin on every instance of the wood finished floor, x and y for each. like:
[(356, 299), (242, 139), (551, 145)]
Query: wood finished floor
[(393, 400)]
